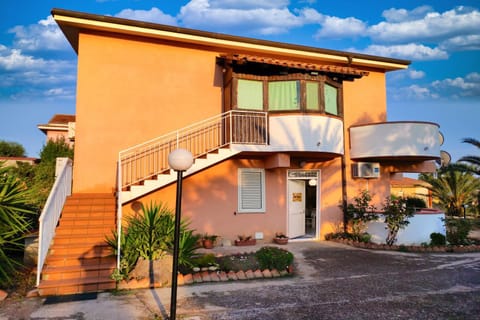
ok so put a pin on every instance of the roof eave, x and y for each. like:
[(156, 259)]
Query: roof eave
[(72, 22)]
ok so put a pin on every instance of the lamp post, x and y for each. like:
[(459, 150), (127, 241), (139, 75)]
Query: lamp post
[(179, 160)]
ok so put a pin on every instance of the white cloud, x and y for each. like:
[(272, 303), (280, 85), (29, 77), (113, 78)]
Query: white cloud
[(153, 15), (425, 26), (409, 51), (462, 43), (400, 15), (333, 27), (62, 93), (44, 35), (248, 4), (411, 74), (450, 88), (274, 18), (309, 15), (27, 77), (459, 87), (14, 60), (413, 92), (414, 74)]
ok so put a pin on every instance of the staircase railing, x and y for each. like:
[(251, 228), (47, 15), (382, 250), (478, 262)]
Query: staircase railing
[(149, 159), (53, 208)]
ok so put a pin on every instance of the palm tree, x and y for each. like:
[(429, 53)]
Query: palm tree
[(453, 186), (473, 160)]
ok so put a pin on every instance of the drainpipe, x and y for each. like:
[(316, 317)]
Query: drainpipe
[(344, 190)]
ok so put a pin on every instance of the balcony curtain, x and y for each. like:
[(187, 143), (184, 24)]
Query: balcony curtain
[(283, 95), (312, 96), (331, 99), (250, 94)]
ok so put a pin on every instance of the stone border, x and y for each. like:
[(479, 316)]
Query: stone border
[(207, 276), (408, 248)]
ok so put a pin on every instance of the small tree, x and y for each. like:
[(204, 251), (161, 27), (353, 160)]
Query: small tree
[(396, 214), (359, 213), (11, 149), (44, 172)]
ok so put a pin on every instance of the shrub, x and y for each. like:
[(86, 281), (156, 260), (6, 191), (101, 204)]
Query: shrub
[(458, 230), (415, 203), (437, 239), (237, 262), (150, 235), (396, 217), (274, 258), (359, 213)]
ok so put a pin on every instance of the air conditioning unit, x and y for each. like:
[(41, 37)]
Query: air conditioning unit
[(366, 170)]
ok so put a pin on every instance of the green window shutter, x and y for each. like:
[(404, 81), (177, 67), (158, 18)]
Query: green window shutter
[(251, 190), (250, 94), (283, 95), (312, 96), (331, 99)]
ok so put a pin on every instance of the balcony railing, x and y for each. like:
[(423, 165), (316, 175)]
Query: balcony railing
[(401, 139)]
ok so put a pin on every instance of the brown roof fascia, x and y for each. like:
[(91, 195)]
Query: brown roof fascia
[(71, 31), (298, 64)]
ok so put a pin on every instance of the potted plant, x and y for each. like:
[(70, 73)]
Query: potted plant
[(245, 241), (208, 240), (280, 238)]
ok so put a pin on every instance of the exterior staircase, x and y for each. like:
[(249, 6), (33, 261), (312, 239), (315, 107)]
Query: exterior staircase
[(144, 168), (170, 176), (79, 259)]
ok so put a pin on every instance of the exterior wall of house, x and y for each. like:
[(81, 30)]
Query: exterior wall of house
[(365, 101), (210, 200), (57, 134), (130, 91)]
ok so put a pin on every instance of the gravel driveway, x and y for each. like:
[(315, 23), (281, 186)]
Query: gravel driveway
[(332, 281)]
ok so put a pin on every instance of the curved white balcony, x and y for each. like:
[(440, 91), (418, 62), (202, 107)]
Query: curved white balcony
[(301, 133), (411, 140)]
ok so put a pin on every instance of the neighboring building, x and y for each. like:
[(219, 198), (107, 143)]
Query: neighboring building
[(282, 134), (13, 161), (408, 187), (60, 126)]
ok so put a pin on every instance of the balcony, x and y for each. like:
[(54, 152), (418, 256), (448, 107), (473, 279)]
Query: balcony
[(408, 140), (301, 133)]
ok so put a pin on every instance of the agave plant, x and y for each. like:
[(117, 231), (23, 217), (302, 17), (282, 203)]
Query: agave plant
[(14, 223), (150, 235)]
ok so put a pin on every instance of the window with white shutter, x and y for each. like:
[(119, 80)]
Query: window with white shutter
[(251, 190)]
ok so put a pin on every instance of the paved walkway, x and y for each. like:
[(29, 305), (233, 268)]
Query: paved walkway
[(333, 281)]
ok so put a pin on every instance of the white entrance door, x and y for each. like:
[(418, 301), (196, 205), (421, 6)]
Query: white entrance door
[(296, 208)]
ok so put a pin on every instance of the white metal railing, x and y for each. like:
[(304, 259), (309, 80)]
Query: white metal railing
[(146, 160), (53, 208)]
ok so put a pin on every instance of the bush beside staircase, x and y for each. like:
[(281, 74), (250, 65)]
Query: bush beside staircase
[(79, 259)]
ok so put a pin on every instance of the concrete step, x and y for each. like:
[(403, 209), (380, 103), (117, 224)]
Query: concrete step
[(99, 249), (74, 260), (73, 272), (74, 286)]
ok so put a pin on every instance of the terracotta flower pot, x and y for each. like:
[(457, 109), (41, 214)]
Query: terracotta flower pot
[(281, 241)]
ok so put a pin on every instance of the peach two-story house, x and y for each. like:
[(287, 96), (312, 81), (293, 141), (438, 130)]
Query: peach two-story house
[(281, 134)]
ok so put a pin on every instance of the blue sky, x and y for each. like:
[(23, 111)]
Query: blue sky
[(440, 37)]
